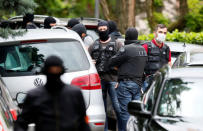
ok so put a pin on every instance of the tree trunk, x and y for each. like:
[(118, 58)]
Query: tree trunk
[(131, 13), (125, 13), (105, 9), (180, 23), (183, 7), (123, 18), (150, 16)]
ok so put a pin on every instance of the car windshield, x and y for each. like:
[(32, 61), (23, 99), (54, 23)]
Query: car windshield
[(182, 97), (27, 58)]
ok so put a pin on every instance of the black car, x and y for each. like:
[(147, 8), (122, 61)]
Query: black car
[(178, 48), (190, 58), (173, 102)]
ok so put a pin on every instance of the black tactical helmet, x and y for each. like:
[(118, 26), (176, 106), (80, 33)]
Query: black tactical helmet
[(72, 22), (47, 21), (52, 61)]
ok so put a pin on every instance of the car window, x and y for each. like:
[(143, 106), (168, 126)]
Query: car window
[(26, 59), (182, 97), (93, 34), (180, 61), (153, 92)]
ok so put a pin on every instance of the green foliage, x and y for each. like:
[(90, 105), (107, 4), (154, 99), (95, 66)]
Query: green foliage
[(158, 3), (194, 18), (159, 18), (194, 5), (14, 7), (65, 8), (56, 8), (192, 37), (83, 8), (146, 37), (6, 33), (20, 7)]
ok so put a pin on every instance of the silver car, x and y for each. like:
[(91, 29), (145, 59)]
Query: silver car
[(8, 109), (21, 58)]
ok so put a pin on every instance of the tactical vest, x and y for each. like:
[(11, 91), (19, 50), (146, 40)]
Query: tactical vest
[(137, 58), (141, 58), (157, 57), (102, 55)]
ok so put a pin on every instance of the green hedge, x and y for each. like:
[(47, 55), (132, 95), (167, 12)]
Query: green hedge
[(192, 37)]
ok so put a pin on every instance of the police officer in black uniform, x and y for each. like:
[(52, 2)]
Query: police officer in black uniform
[(159, 54), (72, 22), (28, 21), (130, 61), (49, 22), (82, 32), (113, 31), (101, 51), (54, 106)]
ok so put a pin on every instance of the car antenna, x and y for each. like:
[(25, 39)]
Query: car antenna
[(184, 45)]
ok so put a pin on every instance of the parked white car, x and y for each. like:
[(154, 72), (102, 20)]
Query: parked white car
[(21, 58)]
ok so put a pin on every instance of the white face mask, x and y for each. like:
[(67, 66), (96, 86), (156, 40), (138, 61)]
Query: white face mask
[(161, 37)]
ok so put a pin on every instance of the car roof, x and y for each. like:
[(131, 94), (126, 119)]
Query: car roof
[(176, 46), (37, 19), (196, 58), (90, 23), (39, 34), (182, 47), (186, 72)]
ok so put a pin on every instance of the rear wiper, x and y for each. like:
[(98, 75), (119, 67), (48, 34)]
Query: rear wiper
[(13, 71)]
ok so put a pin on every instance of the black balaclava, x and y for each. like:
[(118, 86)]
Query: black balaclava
[(131, 36), (47, 21), (103, 35), (112, 26), (54, 82), (79, 28), (72, 22), (28, 18)]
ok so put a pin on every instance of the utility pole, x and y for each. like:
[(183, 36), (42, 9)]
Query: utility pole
[(96, 8)]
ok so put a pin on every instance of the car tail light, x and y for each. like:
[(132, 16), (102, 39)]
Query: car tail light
[(33, 41), (87, 119), (87, 82), (99, 124), (14, 114), (1, 127)]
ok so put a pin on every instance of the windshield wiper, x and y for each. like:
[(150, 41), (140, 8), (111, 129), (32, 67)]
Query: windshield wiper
[(180, 118)]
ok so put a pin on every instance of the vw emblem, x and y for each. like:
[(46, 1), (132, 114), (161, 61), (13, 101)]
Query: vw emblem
[(38, 82), (111, 48)]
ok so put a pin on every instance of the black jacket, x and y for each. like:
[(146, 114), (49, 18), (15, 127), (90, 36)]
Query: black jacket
[(115, 35), (31, 26), (62, 111), (130, 61)]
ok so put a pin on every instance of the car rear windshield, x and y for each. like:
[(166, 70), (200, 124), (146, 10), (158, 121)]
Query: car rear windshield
[(182, 97), (26, 59)]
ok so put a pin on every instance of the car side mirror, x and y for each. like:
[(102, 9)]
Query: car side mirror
[(136, 108), (20, 97)]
